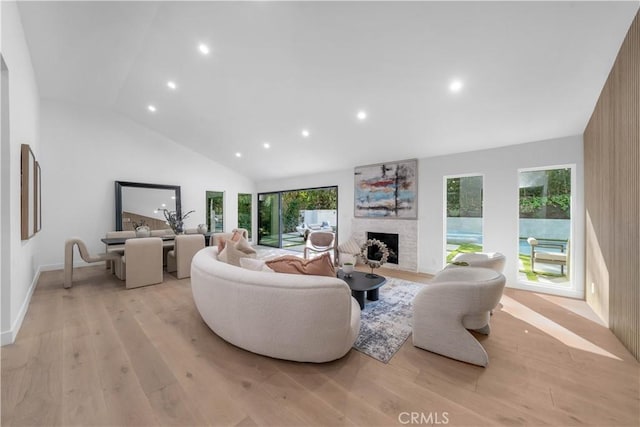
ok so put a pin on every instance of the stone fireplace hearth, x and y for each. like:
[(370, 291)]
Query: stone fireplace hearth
[(407, 231)]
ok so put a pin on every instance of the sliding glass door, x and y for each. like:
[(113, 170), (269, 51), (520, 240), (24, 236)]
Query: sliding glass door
[(269, 219), (286, 217)]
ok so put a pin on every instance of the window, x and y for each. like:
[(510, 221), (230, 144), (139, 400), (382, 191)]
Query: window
[(463, 215), (215, 211), (244, 212), (545, 226)]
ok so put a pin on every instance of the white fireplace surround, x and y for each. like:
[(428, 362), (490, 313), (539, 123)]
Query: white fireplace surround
[(407, 231)]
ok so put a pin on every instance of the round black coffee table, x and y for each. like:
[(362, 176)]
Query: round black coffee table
[(360, 283)]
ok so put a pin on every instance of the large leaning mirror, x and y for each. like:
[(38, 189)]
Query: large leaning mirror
[(27, 192), (138, 203)]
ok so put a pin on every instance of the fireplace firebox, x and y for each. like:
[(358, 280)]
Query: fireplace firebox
[(389, 239)]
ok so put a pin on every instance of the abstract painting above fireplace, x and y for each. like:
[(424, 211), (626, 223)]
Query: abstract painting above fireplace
[(387, 190)]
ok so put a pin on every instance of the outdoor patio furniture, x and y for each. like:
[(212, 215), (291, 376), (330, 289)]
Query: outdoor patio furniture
[(546, 257), (303, 229)]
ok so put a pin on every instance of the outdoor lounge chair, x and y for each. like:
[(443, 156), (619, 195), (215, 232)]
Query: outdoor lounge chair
[(557, 258)]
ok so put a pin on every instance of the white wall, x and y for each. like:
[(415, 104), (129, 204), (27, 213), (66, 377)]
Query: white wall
[(500, 210), (23, 129), (500, 170), (85, 150)]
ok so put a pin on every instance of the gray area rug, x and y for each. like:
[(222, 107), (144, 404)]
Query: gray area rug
[(385, 324)]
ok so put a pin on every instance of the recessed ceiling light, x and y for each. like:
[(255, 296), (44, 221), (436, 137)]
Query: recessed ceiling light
[(266, 145), (362, 115), (151, 108), (203, 48), (171, 85), (238, 154), (164, 205), (456, 86), (305, 133)]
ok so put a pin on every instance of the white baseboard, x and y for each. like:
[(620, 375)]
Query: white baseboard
[(551, 290), (9, 337), (60, 266), (52, 267)]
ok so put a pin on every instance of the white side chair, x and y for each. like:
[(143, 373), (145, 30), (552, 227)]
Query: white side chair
[(85, 255), (456, 300), (185, 247), (492, 260), (320, 241), (349, 251), (141, 264)]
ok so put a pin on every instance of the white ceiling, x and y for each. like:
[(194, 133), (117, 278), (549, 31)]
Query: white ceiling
[(532, 71)]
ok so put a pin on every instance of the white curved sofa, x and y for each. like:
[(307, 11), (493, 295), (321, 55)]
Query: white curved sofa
[(286, 316)]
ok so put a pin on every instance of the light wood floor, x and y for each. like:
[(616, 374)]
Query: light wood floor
[(97, 354)]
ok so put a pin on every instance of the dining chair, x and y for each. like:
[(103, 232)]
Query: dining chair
[(116, 249), (141, 264), (108, 257), (185, 247)]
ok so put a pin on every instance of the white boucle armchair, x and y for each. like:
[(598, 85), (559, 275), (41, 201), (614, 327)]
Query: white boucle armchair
[(492, 260), (456, 300), (295, 317)]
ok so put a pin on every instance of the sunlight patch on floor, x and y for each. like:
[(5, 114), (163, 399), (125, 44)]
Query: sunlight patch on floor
[(562, 334), (578, 307)]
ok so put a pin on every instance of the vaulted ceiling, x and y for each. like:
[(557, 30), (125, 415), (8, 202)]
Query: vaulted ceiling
[(529, 71)]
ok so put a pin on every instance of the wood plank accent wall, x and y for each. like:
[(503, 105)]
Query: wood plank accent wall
[(128, 218), (612, 197)]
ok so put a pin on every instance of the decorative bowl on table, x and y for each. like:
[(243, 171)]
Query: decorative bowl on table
[(143, 231)]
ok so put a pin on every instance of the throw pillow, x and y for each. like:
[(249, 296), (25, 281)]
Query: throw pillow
[(254, 264), (318, 266), (233, 251), (235, 236), (349, 247)]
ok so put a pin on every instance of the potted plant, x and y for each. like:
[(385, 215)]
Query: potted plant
[(175, 221)]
